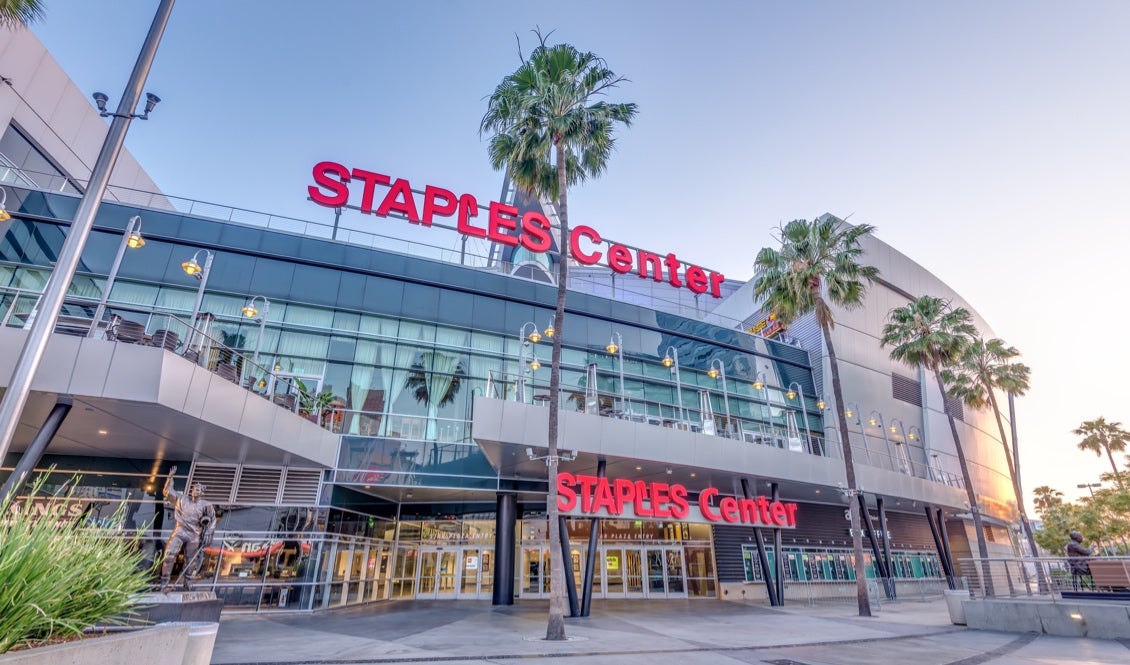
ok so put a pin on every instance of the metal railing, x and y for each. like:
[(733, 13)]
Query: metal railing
[(1048, 577)]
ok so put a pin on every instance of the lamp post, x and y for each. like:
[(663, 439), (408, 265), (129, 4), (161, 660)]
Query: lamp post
[(251, 311), (192, 268), (718, 369), (876, 420), (533, 338), (131, 239), (852, 413), (616, 347), (903, 453), (759, 384), (671, 359), (4, 216), (1090, 487), (793, 394), (51, 302)]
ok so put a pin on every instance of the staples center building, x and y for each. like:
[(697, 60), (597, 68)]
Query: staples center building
[(370, 415)]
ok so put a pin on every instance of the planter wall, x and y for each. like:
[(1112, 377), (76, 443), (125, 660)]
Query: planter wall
[(159, 645)]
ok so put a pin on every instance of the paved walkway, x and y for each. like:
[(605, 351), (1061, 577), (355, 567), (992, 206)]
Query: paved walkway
[(651, 633)]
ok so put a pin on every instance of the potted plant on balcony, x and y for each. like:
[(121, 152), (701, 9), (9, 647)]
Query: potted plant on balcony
[(312, 404), (59, 577)]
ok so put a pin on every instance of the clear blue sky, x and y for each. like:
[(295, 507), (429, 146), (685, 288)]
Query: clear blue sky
[(988, 141)]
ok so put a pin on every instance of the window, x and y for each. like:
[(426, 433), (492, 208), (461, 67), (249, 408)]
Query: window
[(24, 164)]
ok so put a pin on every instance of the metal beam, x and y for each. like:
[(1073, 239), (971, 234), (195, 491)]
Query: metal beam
[(34, 452), (505, 515), (886, 544), (762, 558), (567, 565), (590, 560)]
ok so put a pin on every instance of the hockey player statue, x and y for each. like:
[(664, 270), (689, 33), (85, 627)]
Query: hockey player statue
[(195, 524)]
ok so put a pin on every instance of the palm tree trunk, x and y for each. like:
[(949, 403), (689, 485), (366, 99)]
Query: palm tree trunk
[(974, 507), (1117, 476), (555, 629), (1015, 477), (856, 522)]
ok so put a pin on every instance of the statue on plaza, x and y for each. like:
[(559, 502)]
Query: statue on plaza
[(195, 524), (1077, 554)]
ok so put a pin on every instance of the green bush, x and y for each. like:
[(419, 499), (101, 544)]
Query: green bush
[(58, 576)]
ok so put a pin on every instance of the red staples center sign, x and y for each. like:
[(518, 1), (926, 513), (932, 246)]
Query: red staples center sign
[(620, 498), (503, 225)]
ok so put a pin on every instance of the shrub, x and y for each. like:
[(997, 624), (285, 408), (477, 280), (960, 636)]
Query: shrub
[(58, 576)]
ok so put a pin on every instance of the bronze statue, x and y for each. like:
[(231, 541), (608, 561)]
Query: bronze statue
[(1077, 554), (195, 524)]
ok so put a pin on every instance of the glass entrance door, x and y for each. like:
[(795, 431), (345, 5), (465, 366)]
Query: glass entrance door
[(533, 576), (476, 578), (438, 573), (643, 572)]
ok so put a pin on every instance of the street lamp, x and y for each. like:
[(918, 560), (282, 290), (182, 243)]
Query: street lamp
[(131, 239), (903, 453), (671, 359), (533, 337), (616, 347), (793, 394), (759, 384), (251, 311), (852, 414), (718, 369), (192, 268), (876, 420), (4, 216), (1089, 486)]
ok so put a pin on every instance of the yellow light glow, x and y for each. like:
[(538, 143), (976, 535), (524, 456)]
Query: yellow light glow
[(250, 311), (849, 414), (135, 241), (758, 385), (893, 429), (535, 337), (821, 405), (791, 394), (911, 436), (191, 267), (4, 216), (712, 373), (535, 365), (873, 422), (612, 348), (668, 361), (550, 331)]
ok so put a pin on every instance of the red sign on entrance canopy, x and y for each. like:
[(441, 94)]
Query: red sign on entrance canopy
[(503, 225)]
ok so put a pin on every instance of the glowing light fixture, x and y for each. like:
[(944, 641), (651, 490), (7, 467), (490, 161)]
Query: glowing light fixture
[(712, 373)]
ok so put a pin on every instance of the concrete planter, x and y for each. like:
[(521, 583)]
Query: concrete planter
[(955, 600), (164, 644)]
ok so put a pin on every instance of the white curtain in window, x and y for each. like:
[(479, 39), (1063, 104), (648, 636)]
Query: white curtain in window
[(443, 366), (396, 378), (359, 388), (483, 365), (309, 316)]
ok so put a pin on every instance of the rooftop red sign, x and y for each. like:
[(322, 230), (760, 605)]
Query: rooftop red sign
[(503, 225)]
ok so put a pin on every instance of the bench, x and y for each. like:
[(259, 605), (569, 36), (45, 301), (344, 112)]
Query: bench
[(1110, 574)]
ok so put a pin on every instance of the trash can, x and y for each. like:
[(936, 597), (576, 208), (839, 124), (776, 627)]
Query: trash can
[(201, 640), (954, 600)]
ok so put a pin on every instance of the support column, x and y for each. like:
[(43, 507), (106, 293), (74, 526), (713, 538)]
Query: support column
[(946, 544), (590, 560), (778, 554), (505, 517), (869, 528), (770, 586), (567, 564), (34, 452), (886, 545), (938, 546)]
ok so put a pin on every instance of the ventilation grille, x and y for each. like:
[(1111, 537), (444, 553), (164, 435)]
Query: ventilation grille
[(906, 389), (258, 485), (301, 486), (218, 481), (955, 408)]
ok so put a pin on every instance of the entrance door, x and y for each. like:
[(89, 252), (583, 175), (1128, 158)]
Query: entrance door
[(476, 572), (534, 574), (438, 573), (643, 572)]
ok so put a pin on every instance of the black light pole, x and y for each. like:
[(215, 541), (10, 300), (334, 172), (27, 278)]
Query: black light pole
[(47, 311)]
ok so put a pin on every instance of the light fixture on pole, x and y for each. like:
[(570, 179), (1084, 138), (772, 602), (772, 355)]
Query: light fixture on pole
[(798, 393), (549, 330), (718, 369), (913, 433), (131, 239), (252, 312), (671, 359), (535, 364), (876, 420), (759, 381), (523, 341), (1089, 486), (55, 291), (151, 102), (852, 415), (192, 268), (4, 216), (900, 446), (616, 348)]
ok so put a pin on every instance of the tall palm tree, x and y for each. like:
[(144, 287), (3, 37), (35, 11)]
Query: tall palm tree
[(15, 12), (818, 265), (985, 367), (548, 133), (929, 333), (1099, 436)]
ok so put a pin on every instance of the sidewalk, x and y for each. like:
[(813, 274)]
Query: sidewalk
[(651, 632)]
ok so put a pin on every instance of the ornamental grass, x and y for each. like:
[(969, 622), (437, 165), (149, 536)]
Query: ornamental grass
[(59, 576)]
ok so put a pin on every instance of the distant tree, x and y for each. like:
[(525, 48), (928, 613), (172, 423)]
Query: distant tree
[(549, 132), (930, 333), (15, 12), (817, 266), (1099, 436), (1046, 498)]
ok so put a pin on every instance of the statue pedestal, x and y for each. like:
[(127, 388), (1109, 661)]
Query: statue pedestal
[(157, 607)]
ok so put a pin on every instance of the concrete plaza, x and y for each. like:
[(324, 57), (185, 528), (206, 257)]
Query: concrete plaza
[(623, 632)]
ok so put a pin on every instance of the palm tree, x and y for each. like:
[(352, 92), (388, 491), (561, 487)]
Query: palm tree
[(15, 12), (1099, 436), (984, 368), (549, 133), (818, 266), (929, 333)]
